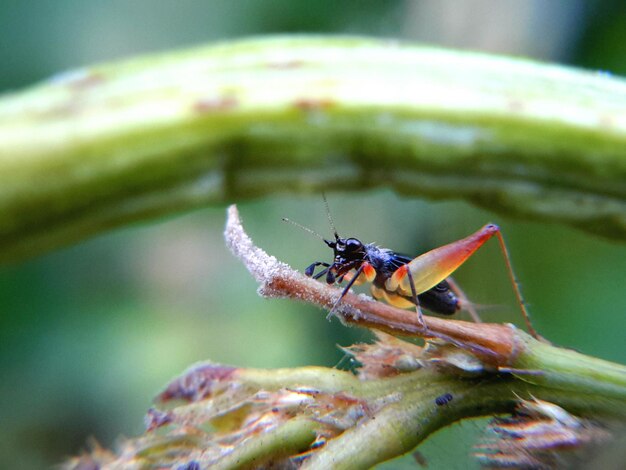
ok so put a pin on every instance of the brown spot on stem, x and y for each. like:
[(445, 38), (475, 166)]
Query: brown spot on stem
[(78, 79), (88, 81), (515, 105), (221, 103), (285, 64), (313, 104), (606, 121), (197, 383), (155, 419)]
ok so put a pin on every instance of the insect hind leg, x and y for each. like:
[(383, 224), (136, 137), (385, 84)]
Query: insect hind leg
[(321, 273), (418, 309), (344, 292), (466, 303), (515, 284)]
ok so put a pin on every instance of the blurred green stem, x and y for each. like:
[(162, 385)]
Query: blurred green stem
[(111, 144)]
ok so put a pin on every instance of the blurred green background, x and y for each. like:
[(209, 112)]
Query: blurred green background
[(89, 334)]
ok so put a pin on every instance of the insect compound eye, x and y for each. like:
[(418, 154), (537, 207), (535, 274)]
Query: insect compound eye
[(352, 244)]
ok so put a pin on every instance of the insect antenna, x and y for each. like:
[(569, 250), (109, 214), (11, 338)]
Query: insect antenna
[(330, 218), (306, 229)]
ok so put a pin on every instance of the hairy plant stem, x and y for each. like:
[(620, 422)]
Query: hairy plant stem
[(106, 145)]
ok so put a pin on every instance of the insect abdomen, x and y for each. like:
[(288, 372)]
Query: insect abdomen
[(440, 299)]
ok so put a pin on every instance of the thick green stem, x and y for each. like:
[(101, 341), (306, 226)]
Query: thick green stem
[(327, 380), (116, 143), (401, 426), (291, 438), (399, 412), (569, 370)]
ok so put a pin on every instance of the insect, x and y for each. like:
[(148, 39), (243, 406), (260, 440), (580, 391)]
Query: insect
[(443, 399), (405, 282)]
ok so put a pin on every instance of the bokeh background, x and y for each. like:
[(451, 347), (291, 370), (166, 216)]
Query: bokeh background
[(89, 334)]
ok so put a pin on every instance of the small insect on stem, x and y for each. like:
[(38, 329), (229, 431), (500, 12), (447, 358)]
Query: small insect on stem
[(405, 282), (443, 399)]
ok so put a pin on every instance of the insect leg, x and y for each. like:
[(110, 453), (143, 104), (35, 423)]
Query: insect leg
[(309, 271), (321, 273), (516, 288), (345, 291), (465, 302), (416, 301), (436, 265)]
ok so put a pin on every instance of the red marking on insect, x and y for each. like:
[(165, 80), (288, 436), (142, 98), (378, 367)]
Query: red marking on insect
[(401, 272), (405, 282), (369, 271)]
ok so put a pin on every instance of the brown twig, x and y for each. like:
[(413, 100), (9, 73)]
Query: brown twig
[(494, 344)]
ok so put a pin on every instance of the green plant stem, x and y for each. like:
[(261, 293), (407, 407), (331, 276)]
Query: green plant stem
[(116, 143), (401, 410), (559, 374), (327, 380), (291, 438), (581, 384), (401, 426), (569, 370)]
